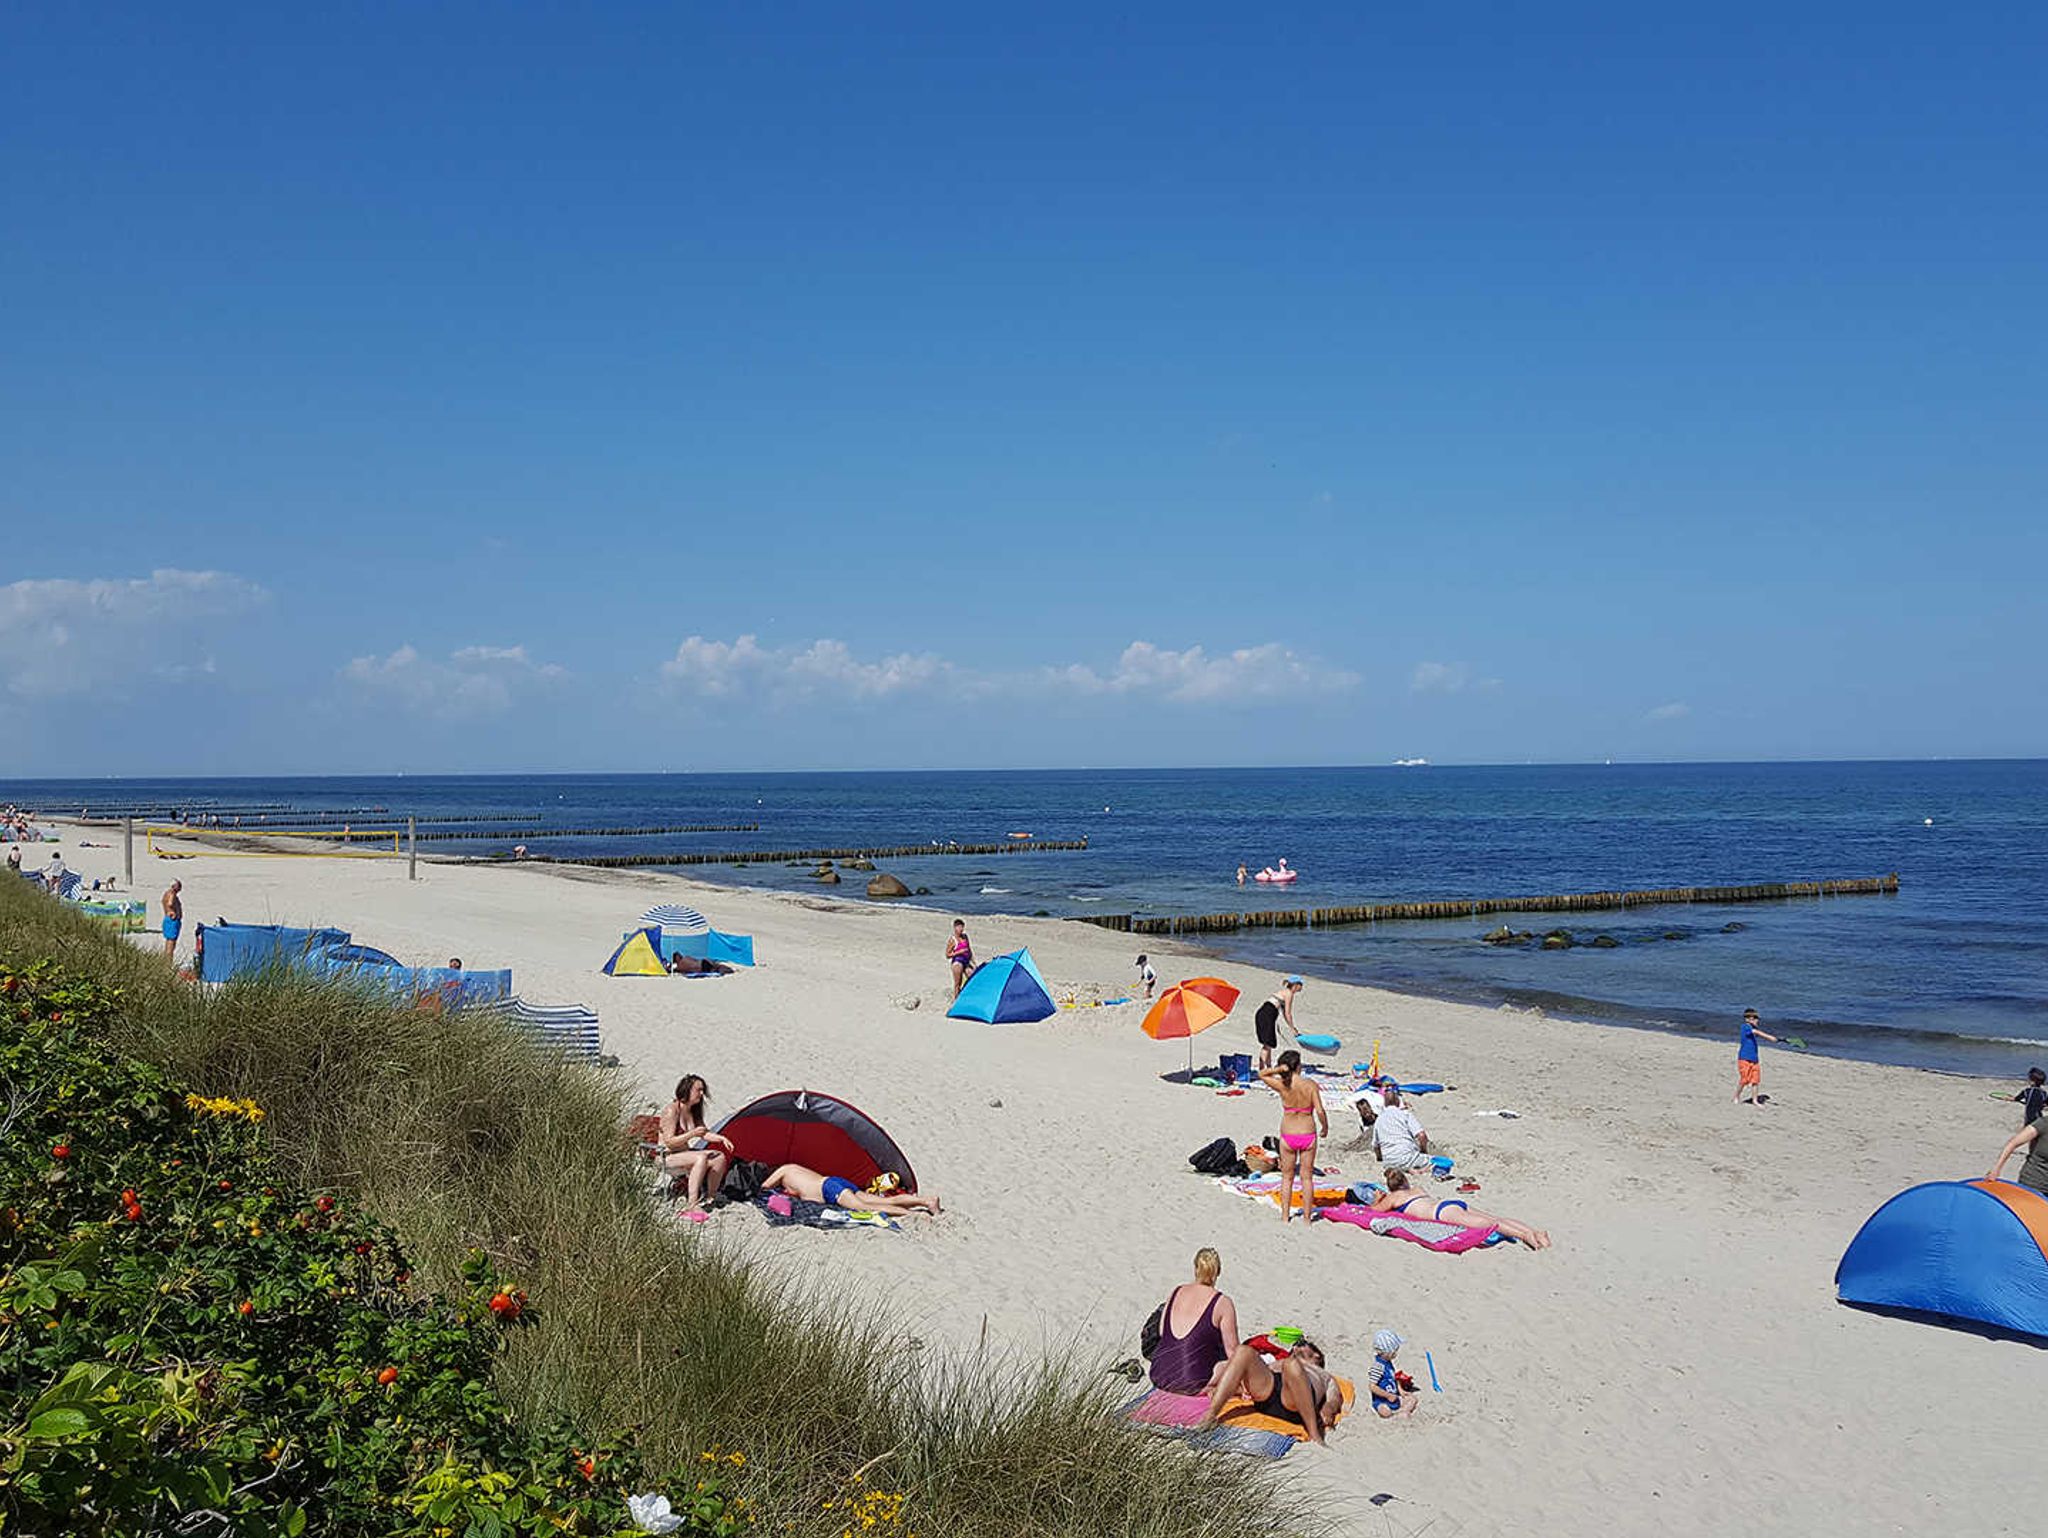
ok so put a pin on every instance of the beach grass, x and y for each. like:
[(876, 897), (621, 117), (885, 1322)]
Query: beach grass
[(462, 1136)]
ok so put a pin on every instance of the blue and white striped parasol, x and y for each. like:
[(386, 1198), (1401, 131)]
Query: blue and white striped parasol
[(676, 916)]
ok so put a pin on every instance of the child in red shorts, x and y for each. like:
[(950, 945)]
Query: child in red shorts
[(1749, 1069)]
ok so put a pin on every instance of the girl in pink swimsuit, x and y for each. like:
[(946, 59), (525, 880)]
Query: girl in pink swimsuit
[(1302, 1122), (960, 956)]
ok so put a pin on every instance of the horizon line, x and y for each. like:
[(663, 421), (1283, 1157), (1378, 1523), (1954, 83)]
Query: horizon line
[(570, 774)]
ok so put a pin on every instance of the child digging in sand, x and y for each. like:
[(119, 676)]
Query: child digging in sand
[(1388, 1397)]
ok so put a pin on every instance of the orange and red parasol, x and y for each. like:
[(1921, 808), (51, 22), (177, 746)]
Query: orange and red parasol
[(1188, 1008)]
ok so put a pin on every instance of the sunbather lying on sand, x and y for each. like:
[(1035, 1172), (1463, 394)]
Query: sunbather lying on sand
[(1302, 1390), (1402, 1198), (831, 1191)]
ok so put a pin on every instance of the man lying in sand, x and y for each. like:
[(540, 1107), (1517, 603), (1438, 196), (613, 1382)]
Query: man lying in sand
[(830, 1191), (1302, 1390)]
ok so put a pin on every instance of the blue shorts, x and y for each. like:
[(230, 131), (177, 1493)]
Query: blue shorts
[(171, 927), (835, 1188)]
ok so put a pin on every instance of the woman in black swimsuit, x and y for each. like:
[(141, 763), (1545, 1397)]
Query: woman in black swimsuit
[(1267, 1021)]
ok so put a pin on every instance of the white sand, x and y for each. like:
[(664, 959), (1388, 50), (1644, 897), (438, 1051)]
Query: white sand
[(1676, 1363)]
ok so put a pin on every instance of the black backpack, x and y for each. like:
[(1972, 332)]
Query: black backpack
[(1217, 1158), (743, 1181)]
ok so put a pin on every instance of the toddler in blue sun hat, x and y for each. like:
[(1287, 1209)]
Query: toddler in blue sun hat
[(1389, 1399)]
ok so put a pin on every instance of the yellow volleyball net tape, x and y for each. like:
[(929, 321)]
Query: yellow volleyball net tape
[(316, 843)]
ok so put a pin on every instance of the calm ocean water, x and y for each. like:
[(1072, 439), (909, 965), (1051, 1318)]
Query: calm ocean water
[(1951, 973)]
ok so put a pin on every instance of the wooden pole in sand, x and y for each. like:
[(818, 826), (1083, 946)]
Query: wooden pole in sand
[(412, 849), (128, 851)]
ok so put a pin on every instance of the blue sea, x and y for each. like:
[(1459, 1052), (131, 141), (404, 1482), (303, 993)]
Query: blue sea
[(1951, 973)]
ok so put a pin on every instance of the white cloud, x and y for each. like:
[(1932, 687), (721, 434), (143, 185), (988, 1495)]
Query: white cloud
[(1440, 677), (721, 669), (825, 668), (1676, 710), (474, 681), (1449, 678), (1268, 672), (61, 636)]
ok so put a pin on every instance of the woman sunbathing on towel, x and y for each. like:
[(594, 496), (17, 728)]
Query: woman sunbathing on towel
[(1302, 1119), (831, 1191), (1401, 1198), (1302, 1390), (690, 1147)]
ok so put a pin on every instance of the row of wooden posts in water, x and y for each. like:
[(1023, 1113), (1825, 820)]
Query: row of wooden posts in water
[(521, 833), (1468, 907), (806, 856)]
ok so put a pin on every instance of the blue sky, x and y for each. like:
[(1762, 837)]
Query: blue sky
[(811, 386)]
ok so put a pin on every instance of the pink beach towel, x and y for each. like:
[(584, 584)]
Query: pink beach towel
[(1159, 1408), (1444, 1238)]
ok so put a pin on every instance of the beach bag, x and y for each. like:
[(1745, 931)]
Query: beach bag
[(1217, 1158), (1258, 1161), (743, 1180), (1148, 1333)]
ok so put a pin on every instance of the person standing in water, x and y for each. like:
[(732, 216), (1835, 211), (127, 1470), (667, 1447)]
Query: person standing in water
[(1303, 1121), (1279, 1005), (1240, 875), (174, 918), (960, 956)]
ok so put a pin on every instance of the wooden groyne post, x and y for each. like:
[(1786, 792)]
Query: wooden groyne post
[(479, 835), (1470, 907), (773, 856)]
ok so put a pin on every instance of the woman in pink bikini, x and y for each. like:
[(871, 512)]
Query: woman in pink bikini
[(960, 956), (1302, 1122)]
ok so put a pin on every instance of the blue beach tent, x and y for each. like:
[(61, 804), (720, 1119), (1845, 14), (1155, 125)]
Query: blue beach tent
[(1005, 990), (710, 945), (1964, 1249)]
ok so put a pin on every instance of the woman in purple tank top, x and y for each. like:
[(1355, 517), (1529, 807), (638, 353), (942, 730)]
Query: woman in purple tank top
[(1197, 1331)]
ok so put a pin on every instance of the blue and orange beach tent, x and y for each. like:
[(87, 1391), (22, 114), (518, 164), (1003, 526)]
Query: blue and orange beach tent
[(1005, 990), (1963, 1249)]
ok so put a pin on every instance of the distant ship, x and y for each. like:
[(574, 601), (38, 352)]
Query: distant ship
[(1411, 763)]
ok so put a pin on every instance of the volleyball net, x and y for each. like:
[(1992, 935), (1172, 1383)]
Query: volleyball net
[(278, 843)]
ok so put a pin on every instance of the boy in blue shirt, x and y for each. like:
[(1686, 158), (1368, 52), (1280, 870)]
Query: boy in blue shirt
[(1749, 1070)]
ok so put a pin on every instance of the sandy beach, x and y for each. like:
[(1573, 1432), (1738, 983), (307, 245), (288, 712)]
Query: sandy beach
[(1676, 1363)]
